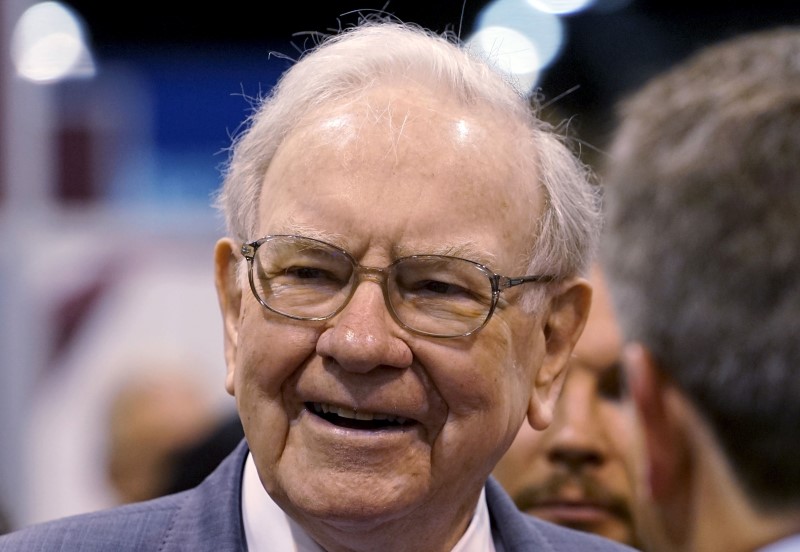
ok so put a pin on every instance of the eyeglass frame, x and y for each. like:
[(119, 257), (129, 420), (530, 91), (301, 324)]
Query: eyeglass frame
[(380, 276)]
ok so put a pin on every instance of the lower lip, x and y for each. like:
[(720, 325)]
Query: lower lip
[(568, 514)]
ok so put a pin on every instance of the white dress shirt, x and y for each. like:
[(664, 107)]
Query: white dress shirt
[(268, 529), (789, 544)]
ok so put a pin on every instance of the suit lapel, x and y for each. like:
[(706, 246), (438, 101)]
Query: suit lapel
[(210, 517)]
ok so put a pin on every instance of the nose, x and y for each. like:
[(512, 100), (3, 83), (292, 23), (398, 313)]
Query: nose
[(363, 336), (578, 439)]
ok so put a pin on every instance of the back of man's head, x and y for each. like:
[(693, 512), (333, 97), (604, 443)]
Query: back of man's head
[(703, 198)]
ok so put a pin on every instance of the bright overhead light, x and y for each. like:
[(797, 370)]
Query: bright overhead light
[(561, 7), (48, 44), (510, 51), (545, 31)]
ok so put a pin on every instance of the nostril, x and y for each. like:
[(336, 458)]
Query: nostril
[(576, 459)]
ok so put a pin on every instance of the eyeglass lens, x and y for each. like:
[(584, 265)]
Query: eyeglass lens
[(307, 279)]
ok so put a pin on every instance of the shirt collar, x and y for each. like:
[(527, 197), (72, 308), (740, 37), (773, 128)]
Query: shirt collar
[(789, 544), (267, 528)]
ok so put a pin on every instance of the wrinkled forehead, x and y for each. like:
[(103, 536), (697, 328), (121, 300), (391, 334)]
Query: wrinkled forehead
[(407, 107), (428, 134)]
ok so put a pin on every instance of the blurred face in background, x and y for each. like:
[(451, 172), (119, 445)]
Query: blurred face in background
[(579, 472), (151, 418)]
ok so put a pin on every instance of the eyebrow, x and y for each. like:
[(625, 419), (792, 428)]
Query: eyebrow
[(332, 238), (466, 250)]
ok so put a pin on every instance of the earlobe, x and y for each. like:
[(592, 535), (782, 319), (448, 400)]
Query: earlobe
[(229, 294), (563, 325)]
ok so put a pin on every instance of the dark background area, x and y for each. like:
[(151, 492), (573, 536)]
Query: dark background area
[(606, 53), (172, 23)]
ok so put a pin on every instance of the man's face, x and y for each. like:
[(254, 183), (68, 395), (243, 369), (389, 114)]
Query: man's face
[(388, 177), (150, 420), (579, 472)]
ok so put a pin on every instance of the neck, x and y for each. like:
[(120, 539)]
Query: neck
[(423, 529), (738, 526), (720, 516)]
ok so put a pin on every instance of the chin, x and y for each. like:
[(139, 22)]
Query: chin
[(351, 501)]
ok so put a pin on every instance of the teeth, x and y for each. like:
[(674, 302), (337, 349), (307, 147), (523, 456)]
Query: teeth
[(355, 415)]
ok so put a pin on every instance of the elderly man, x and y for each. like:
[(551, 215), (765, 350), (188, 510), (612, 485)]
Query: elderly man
[(400, 289), (702, 249), (580, 472)]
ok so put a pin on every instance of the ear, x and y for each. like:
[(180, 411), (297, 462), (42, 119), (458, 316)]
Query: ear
[(659, 417), (563, 325), (229, 294), (666, 420)]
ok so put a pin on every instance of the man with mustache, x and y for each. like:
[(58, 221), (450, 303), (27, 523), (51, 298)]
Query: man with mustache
[(579, 472)]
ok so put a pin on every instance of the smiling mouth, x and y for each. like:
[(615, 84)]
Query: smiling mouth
[(352, 419)]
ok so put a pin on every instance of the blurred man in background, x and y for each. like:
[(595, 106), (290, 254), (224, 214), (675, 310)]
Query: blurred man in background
[(701, 250), (152, 419), (579, 472)]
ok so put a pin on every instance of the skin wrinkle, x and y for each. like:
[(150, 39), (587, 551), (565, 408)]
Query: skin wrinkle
[(374, 394), (397, 134)]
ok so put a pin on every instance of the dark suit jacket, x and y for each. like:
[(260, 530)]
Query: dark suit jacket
[(208, 518)]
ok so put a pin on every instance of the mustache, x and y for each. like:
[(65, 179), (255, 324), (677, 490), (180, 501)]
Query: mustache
[(594, 492)]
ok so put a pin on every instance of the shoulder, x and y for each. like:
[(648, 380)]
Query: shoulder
[(206, 517), (518, 532), (562, 538), (141, 526)]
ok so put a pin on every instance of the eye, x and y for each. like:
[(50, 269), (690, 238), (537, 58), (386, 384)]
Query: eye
[(611, 385), (436, 282), (307, 273), (306, 267), (439, 288)]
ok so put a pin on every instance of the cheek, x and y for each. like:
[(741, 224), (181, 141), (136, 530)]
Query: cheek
[(475, 380), (270, 352), (269, 359), (485, 385), (621, 424), (620, 419), (524, 359)]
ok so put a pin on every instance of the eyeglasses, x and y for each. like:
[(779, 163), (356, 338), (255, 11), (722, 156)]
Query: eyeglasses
[(432, 295)]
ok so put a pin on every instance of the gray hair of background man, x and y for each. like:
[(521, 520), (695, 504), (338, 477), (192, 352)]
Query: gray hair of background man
[(703, 242), (566, 231)]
